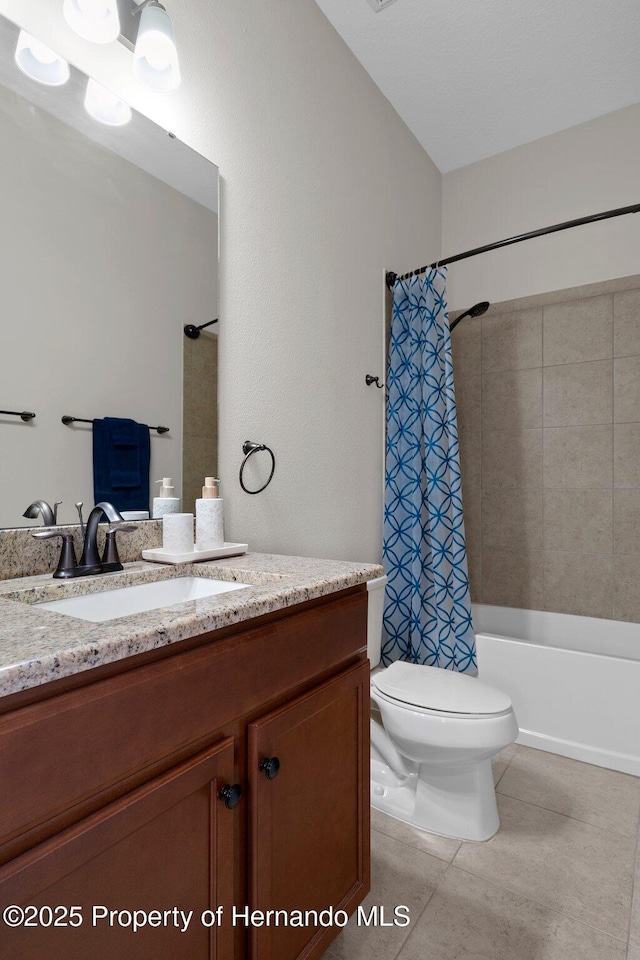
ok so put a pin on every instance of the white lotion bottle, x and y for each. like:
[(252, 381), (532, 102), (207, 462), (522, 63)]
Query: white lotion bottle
[(210, 517), (166, 501)]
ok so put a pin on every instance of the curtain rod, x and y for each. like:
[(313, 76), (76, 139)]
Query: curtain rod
[(607, 215)]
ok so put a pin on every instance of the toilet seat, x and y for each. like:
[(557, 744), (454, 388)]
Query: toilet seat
[(442, 692)]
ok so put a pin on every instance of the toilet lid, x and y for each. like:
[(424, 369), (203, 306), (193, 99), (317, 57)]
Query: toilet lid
[(436, 689)]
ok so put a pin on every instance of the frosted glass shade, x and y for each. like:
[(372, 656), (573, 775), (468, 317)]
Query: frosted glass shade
[(40, 62), (105, 107), (94, 20), (155, 58)]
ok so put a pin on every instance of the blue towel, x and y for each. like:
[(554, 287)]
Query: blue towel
[(121, 458)]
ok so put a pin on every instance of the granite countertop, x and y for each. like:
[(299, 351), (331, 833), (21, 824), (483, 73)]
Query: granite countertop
[(38, 646)]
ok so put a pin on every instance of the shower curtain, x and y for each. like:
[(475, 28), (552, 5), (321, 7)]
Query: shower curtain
[(427, 615)]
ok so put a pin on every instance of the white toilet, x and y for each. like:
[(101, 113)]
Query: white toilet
[(433, 735)]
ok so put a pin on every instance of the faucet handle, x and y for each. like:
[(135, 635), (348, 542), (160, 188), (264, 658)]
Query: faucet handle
[(67, 562), (110, 554), (121, 526)]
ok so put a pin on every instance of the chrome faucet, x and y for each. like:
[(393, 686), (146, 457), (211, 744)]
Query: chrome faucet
[(41, 508), (90, 563)]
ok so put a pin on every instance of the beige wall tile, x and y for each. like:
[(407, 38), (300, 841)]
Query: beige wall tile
[(578, 331), (512, 400), (578, 583), (470, 460), (512, 517), (468, 405), (626, 455), (470, 918), (626, 323), (469, 417), (626, 521), (578, 393), (512, 577), (512, 341), (626, 580), (626, 387), (578, 457), (512, 458), (200, 457), (466, 350), (472, 503), (578, 520)]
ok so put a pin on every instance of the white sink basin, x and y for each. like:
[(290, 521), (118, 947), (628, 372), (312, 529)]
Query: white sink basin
[(111, 604)]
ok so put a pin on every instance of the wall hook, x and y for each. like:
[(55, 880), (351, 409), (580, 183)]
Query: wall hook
[(193, 332), (369, 380)]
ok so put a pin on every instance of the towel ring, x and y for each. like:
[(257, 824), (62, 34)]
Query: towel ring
[(249, 448)]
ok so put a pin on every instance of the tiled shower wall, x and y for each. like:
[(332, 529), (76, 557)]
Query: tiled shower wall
[(548, 395), (199, 415)]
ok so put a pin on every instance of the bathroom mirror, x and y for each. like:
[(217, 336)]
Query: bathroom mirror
[(109, 247)]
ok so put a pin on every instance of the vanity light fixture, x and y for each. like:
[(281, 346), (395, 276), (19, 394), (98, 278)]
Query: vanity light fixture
[(155, 57), (94, 20), (40, 62), (104, 106)]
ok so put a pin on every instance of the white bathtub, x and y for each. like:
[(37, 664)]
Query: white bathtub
[(574, 681)]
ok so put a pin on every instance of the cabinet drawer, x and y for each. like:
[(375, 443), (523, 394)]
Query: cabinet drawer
[(70, 754)]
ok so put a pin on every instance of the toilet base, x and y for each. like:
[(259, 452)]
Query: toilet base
[(457, 802)]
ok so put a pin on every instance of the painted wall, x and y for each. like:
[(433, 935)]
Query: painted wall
[(100, 263), (548, 391), (587, 169), (323, 188)]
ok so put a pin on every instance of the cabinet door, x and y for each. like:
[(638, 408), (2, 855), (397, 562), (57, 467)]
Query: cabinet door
[(309, 824), (167, 844)]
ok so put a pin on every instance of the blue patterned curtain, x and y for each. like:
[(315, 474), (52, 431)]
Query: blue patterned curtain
[(427, 616)]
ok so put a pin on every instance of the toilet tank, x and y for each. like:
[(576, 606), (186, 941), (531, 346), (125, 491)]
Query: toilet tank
[(375, 594)]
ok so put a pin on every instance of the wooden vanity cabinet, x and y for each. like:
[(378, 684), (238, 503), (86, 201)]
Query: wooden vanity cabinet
[(123, 793)]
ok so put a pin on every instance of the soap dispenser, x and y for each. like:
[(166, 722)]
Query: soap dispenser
[(166, 501), (209, 517)]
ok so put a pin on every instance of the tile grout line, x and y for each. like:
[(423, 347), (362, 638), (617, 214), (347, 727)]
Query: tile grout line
[(495, 786), (587, 823), (635, 888), (539, 903), (566, 816), (422, 912), (518, 893), (413, 846)]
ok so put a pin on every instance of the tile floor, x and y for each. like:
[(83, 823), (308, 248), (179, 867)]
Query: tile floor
[(555, 883)]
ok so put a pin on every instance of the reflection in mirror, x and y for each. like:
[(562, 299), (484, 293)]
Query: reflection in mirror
[(109, 248), (200, 412)]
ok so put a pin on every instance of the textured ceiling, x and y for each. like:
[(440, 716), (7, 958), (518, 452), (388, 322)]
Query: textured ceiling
[(472, 78)]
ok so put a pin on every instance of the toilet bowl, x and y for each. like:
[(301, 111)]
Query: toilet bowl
[(433, 735)]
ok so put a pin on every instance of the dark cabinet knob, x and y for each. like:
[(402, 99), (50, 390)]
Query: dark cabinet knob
[(231, 795), (270, 766)]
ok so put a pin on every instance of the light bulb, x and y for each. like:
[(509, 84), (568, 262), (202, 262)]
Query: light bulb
[(94, 20), (40, 62), (155, 58), (105, 107)]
